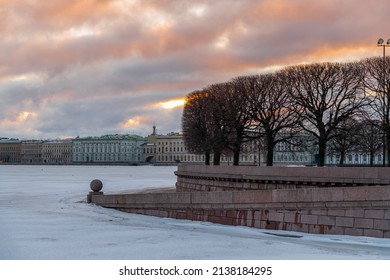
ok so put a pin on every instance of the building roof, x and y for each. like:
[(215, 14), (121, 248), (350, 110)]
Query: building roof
[(111, 137), (9, 141)]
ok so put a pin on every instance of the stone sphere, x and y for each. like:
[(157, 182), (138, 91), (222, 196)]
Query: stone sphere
[(96, 185)]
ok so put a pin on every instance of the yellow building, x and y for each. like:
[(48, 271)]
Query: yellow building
[(31, 152), (10, 150), (167, 149), (57, 152)]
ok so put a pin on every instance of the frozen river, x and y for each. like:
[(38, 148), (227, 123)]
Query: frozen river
[(43, 215)]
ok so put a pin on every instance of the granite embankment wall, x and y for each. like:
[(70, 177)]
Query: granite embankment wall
[(222, 178), (324, 201)]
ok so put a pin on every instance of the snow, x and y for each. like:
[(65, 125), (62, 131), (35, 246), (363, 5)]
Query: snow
[(44, 216)]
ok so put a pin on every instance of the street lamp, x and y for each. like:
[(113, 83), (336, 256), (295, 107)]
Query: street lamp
[(381, 43)]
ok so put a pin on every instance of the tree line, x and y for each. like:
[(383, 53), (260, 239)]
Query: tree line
[(340, 105)]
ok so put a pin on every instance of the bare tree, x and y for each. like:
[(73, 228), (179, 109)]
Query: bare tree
[(377, 82), (196, 124), (327, 94), (239, 117), (231, 117), (272, 109), (219, 129), (345, 139), (369, 136)]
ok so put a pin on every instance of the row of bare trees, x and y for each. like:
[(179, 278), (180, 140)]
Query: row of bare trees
[(325, 100)]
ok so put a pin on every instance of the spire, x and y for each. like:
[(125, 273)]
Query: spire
[(154, 129)]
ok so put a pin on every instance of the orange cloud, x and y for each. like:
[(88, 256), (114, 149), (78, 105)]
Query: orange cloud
[(134, 122), (131, 122), (72, 12), (17, 119), (173, 103)]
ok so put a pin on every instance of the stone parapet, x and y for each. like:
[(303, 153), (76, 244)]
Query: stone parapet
[(333, 210), (231, 178), (328, 200)]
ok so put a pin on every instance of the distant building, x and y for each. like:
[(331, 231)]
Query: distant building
[(108, 149), (167, 149), (299, 150), (171, 149), (355, 158), (57, 152), (10, 150), (31, 152)]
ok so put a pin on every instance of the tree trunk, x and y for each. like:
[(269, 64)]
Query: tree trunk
[(236, 156), (387, 147), (270, 156), (270, 150), (321, 152), (207, 158), (342, 156), (372, 155), (217, 157)]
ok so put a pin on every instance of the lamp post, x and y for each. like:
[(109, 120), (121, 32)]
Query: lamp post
[(381, 43)]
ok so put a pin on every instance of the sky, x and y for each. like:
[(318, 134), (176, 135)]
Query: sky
[(92, 67)]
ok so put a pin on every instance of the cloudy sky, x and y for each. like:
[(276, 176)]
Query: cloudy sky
[(92, 67)]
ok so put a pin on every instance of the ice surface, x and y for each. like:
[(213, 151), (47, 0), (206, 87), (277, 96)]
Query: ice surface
[(43, 215)]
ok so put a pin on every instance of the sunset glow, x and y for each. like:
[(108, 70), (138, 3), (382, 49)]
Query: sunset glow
[(23, 116), (132, 122), (172, 103), (222, 42)]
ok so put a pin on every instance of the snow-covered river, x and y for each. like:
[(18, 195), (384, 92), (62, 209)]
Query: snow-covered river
[(43, 215)]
